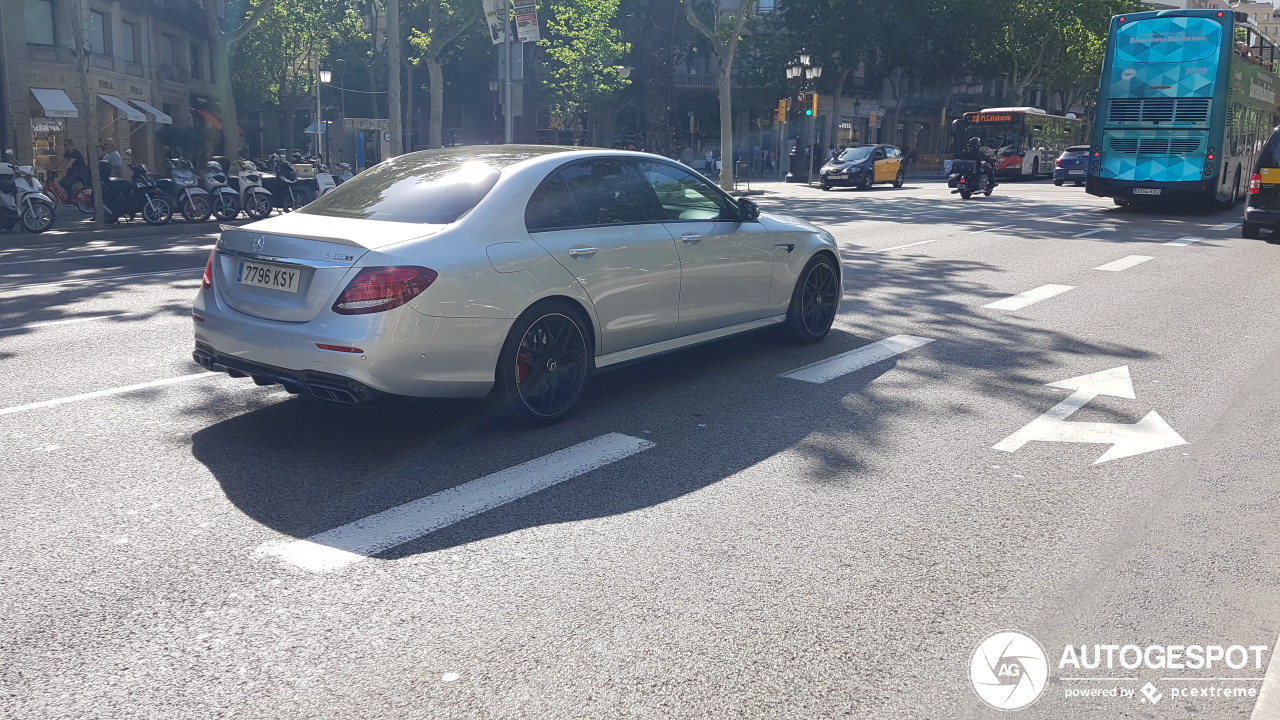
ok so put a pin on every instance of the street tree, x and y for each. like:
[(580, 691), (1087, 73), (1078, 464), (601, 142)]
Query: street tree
[(723, 29), (225, 33), (434, 27), (583, 49)]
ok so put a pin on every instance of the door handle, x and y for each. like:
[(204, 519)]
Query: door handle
[(583, 252), (691, 238)]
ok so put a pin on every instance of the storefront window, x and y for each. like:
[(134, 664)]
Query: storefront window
[(47, 134)]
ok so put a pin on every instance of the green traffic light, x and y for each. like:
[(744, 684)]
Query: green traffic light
[(809, 111)]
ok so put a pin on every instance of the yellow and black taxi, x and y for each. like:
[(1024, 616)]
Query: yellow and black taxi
[(1262, 209), (862, 166)]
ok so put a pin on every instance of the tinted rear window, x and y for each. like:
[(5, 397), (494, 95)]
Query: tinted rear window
[(433, 187)]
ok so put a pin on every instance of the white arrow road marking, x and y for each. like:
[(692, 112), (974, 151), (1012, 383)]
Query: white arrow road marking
[(1094, 231), (1125, 263), (1148, 434), (1030, 297), (356, 541), (854, 360), (1184, 240)]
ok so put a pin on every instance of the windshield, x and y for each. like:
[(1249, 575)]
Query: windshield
[(856, 154), (433, 186)]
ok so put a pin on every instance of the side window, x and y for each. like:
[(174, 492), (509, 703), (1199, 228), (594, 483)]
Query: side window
[(610, 192), (878, 154), (895, 153), (685, 196), (551, 206), (1271, 154)]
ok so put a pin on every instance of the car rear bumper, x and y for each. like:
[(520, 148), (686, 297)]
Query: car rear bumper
[(1262, 216), (403, 352)]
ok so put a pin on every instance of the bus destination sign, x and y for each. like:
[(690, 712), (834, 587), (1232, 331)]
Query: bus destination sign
[(991, 118)]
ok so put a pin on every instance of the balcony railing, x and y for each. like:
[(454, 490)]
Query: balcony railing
[(696, 80)]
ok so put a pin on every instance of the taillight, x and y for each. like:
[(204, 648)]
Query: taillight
[(206, 282), (382, 288), (1255, 184), (1057, 163)]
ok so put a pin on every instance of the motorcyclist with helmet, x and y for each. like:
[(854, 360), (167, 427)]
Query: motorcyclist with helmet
[(985, 163)]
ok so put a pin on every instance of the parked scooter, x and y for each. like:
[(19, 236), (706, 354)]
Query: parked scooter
[(344, 173), (223, 199), (282, 181), (142, 194), (968, 177), (324, 179), (20, 198), (193, 201), (255, 200)]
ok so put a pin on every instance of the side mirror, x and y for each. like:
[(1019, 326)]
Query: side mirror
[(748, 211)]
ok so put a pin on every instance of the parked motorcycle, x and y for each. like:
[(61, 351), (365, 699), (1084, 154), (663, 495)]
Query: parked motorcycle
[(282, 181), (324, 179), (193, 200), (344, 173), (21, 200), (142, 194), (224, 200), (255, 200), (968, 177)]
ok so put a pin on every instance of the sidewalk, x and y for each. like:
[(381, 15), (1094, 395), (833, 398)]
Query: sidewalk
[(71, 224)]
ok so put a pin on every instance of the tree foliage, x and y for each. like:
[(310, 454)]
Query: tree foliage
[(583, 48)]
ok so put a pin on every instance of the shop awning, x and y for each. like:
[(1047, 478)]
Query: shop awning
[(311, 129), (212, 118), (55, 103), (153, 112), (129, 112)]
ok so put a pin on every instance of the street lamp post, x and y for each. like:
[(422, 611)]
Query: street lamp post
[(323, 77), (803, 71)]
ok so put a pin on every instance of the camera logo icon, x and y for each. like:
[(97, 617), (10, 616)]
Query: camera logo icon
[(1009, 670)]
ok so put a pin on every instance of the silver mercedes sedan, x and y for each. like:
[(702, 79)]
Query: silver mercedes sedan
[(512, 270)]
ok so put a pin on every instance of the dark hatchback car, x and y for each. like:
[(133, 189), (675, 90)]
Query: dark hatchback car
[(1262, 209), (1071, 166), (862, 166)]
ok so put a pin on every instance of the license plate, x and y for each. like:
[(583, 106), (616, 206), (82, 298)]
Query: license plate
[(1147, 191), (274, 277), (1075, 172)]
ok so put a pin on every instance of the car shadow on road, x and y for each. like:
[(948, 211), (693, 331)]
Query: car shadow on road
[(300, 468)]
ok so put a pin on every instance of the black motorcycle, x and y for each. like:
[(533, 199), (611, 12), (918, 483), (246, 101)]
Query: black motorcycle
[(128, 198), (968, 177), (282, 180)]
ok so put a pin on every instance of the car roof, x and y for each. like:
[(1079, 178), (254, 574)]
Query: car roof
[(1077, 148)]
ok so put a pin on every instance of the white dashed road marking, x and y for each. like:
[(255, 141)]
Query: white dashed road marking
[(69, 321), (1185, 240), (356, 541), (854, 360), (899, 247), (1030, 297), (102, 393), (1226, 226), (1094, 231), (1125, 263)]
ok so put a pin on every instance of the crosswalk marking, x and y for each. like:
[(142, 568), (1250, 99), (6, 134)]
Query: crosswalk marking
[(1124, 263), (854, 360), (356, 541), (1184, 240), (1030, 297)]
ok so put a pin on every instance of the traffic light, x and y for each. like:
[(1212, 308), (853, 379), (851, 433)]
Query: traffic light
[(780, 112), (812, 110)]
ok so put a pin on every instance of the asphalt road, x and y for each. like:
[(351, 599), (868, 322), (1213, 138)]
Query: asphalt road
[(760, 547)]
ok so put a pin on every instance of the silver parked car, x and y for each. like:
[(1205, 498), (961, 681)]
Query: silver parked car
[(511, 269)]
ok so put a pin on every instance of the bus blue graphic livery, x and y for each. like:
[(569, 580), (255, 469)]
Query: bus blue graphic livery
[(1185, 101)]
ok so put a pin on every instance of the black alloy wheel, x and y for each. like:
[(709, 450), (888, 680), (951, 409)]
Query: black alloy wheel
[(900, 179), (814, 300), (545, 363)]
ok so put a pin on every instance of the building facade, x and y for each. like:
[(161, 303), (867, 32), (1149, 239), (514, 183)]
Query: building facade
[(147, 66)]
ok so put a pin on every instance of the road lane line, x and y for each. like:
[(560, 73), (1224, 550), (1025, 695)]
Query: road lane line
[(1094, 231), (356, 541), (1268, 706), (1184, 241), (994, 229), (1125, 263), (1226, 226), (899, 247), (64, 258), (1030, 297), (855, 360), (32, 326), (102, 279), (102, 393)]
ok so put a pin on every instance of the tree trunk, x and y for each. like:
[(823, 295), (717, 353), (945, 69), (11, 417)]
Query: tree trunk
[(394, 108), (435, 75), (408, 106), (726, 127)]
